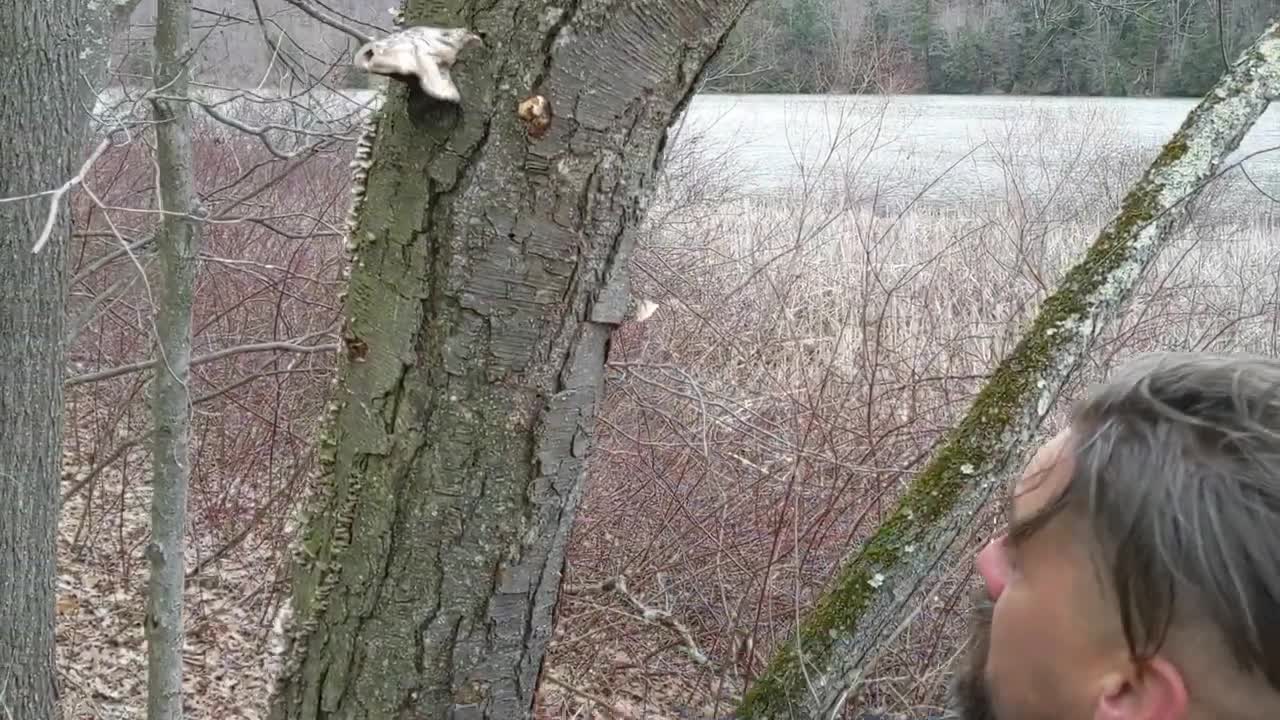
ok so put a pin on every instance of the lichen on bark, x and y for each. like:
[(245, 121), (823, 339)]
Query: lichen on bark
[(474, 353), (814, 673)]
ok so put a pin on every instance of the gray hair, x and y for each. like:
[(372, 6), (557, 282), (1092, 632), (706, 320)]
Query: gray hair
[(1177, 474)]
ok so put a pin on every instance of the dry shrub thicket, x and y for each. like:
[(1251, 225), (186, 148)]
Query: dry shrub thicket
[(263, 355), (809, 353), (811, 348)]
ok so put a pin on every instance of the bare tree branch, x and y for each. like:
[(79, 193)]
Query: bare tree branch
[(331, 21), (59, 192), (275, 346)]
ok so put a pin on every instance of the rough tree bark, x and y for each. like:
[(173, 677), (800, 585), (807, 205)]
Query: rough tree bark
[(177, 242), (873, 593), (489, 269), (40, 129)]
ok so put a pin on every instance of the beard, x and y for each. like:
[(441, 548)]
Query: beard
[(969, 690)]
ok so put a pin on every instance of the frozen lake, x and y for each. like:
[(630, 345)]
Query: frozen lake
[(958, 146)]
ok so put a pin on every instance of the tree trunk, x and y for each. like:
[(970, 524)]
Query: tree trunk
[(176, 245), (105, 20), (489, 268), (40, 130), (813, 675)]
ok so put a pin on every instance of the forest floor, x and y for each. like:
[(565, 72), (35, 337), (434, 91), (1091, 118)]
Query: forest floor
[(231, 651), (102, 577)]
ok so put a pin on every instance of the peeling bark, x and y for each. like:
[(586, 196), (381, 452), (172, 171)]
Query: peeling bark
[(177, 243), (40, 130), (813, 675), (488, 271)]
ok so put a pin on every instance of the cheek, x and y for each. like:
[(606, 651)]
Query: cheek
[(1012, 625), (1029, 663), (1020, 621), (1015, 658)]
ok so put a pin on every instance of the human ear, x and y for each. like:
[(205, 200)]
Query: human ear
[(1154, 691)]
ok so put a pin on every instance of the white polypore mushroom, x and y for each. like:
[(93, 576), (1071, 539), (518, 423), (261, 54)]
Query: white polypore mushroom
[(424, 52)]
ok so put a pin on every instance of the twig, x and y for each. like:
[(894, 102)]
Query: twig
[(330, 21), (261, 133), (284, 346), (258, 515), (603, 703), (58, 193), (649, 614), (83, 482)]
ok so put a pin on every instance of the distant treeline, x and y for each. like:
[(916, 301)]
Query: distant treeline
[(1062, 47)]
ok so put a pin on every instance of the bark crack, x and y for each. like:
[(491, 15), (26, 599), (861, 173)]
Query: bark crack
[(567, 16)]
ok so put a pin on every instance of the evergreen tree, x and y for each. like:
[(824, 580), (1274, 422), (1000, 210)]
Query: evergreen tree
[(1076, 47)]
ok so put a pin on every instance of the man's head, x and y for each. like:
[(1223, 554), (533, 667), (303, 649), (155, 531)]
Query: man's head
[(1139, 578)]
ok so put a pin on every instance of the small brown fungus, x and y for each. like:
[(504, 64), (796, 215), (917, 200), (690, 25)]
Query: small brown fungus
[(535, 111)]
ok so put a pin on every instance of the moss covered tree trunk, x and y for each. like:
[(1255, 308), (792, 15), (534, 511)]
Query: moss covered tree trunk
[(813, 675), (40, 130), (489, 268)]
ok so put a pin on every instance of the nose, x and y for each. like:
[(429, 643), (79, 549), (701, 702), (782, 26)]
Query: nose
[(993, 567)]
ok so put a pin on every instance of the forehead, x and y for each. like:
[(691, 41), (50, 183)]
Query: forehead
[(1044, 478)]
